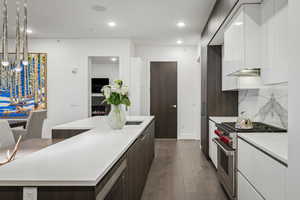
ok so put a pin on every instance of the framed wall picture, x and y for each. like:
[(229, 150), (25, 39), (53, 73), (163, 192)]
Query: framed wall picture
[(23, 90)]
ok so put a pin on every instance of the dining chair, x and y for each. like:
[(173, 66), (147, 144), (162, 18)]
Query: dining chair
[(34, 126), (6, 136)]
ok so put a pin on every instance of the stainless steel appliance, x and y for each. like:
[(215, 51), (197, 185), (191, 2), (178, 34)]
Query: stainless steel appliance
[(227, 154)]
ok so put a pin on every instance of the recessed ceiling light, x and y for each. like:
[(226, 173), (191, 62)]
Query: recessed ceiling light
[(114, 59), (180, 24), (179, 42), (238, 23), (29, 31), (111, 24)]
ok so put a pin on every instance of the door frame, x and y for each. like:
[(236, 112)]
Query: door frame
[(148, 85)]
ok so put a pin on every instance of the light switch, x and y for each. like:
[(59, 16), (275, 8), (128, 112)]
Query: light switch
[(29, 193)]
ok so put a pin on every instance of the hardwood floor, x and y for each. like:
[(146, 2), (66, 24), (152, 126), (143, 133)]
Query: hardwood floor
[(180, 172)]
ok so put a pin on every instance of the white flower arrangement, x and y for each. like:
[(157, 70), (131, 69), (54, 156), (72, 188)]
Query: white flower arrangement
[(116, 94)]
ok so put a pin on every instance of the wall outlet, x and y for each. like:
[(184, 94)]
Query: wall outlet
[(29, 193)]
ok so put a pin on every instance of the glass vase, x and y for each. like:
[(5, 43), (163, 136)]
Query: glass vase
[(116, 118)]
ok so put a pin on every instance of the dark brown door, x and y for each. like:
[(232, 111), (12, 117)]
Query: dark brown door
[(164, 98)]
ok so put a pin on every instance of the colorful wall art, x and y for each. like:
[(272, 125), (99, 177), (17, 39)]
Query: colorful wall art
[(23, 89)]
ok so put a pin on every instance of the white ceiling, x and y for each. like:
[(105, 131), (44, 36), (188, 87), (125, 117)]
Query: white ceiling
[(144, 21)]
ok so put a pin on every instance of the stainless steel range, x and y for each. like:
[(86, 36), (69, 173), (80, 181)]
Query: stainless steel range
[(227, 156)]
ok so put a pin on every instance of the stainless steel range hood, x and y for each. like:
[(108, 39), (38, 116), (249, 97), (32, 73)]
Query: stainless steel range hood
[(246, 72)]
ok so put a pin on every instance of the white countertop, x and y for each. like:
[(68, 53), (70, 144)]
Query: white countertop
[(275, 144), (222, 119), (81, 160)]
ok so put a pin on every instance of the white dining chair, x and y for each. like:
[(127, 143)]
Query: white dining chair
[(34, 126), (6, 136)]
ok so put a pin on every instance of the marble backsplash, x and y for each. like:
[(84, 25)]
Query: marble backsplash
[(268, 104)]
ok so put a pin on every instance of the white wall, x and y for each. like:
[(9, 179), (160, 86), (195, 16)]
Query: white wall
[(137, 87), (67, 92), (110, 71), (188, 83), (294, 102)]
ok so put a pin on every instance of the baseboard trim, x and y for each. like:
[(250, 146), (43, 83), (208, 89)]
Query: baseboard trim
[(187, 136)]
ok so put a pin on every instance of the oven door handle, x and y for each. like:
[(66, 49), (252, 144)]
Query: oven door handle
[(226, 151)]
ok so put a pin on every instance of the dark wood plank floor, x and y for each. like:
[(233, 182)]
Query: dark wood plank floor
[(180, 172)]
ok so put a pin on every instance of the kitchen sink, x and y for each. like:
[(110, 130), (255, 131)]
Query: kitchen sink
[(133, 122)]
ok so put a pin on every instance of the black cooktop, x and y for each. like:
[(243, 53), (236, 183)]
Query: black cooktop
[(257, 127)]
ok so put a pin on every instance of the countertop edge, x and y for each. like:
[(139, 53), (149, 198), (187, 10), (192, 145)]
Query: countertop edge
[(266, 151)]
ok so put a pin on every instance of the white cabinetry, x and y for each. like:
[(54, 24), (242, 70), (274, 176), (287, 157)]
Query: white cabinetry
[(265, 174), (242, 48), (275, 41), (245, 190), (213, 149)]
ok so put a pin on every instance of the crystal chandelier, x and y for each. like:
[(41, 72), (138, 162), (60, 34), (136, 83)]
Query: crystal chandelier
[(21, 37), (12, 67)]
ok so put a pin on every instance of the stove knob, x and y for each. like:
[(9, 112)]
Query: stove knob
[(218, 132), (225, 139)]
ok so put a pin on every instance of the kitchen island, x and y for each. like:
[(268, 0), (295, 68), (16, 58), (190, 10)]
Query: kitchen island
[(86, 166)]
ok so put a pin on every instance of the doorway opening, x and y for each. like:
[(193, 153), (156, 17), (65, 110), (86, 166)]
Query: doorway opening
[(103, 70)]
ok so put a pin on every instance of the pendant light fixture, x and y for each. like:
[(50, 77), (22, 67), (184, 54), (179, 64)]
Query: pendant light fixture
[(25, 36), (5, 61), (18, 39), (21, 37)]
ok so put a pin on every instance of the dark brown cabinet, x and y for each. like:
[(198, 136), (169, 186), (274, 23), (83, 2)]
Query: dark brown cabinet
[(118, 191), (214, 102), (140, 157)]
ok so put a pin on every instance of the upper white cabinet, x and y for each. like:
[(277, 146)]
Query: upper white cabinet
[(242, 39), (242, 47), (275, 41)]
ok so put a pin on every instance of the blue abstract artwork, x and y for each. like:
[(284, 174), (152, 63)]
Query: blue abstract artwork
[(23, 90)]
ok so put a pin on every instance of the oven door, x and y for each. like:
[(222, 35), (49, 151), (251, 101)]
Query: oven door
[(226, 167)]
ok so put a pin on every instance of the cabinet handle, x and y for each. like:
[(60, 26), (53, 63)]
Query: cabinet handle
[(110, 183), (143, 136), (227, 152)]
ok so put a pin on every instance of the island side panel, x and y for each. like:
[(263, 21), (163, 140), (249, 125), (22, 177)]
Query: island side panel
[(66, 133), (66, 193), (11, 193)]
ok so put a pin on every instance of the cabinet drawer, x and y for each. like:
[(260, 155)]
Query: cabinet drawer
[(267, 175), (245, 190)]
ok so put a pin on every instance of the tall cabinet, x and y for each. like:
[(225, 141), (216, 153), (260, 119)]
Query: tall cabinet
[(214, 101)]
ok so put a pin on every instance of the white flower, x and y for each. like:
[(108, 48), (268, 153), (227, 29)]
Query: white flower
[(118, 83), (115, 89), (106, 91), (124, 90)]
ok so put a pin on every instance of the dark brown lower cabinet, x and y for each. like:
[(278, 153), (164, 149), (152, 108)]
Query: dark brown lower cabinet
[(125, 181), (140, 157), (118, 191)]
